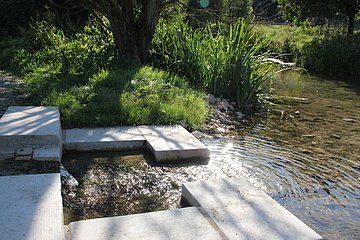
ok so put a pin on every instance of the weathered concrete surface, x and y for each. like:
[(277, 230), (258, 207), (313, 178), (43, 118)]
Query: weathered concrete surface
[(244, 212), (186, 223), (31, 207), (25, 126), (47, 154), (90, 139), (173, 143)]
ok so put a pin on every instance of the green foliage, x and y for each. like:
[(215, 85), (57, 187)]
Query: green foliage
[(127, 97), (82, 74), (287, 41), (16, 14), (78, 55), (326, 51), (225, 60), (218, 10), (8, 50), (335, 56), (234, 9), (319, 11)]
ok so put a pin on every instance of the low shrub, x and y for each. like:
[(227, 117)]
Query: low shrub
[(226, 60), (334, 56)]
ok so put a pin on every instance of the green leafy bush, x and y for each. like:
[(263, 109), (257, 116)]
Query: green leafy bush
[(335, 56), (227, 61)]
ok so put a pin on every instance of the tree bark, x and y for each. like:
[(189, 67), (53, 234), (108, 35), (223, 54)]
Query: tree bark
[(133, 34), (351, 20)]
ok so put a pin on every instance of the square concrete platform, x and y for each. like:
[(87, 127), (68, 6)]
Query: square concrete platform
[(93, 139), (173, 143), (31, 207), (243, 211), (180, 224), (29, 127)]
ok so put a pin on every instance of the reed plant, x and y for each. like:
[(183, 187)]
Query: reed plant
[(226, 60)]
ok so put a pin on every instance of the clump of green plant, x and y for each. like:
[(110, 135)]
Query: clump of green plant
[(9, 47), (76, 56), (335, 56), (129, 96), (226, 60)]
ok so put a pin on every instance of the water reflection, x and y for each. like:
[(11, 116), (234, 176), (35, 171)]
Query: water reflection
[(304, 153)]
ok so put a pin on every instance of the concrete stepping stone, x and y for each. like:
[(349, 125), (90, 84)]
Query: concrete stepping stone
[(31, 207), (186, 223), (243, 211), (173, 143), (92, 139), (29, 127)]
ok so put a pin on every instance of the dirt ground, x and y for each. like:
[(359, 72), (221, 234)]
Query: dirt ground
[(11, 91)]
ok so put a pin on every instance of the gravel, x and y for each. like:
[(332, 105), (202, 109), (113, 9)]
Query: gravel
[(11, 91)]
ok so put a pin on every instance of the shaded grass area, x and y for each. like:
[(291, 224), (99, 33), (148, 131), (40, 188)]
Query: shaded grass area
[(137, 95), (82, 73)]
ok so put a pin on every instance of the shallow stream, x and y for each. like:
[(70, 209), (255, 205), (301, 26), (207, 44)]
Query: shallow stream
[(304, 152)]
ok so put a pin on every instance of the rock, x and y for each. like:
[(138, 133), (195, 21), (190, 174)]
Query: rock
[(211, 99), (216, 130), (351, 120), (239, 115), (297, 113), (182, 123), (225, 121), (232, 128), (308, 136), (198, 135), (335, 136), (67, 179), (226, 103), (222, 106)]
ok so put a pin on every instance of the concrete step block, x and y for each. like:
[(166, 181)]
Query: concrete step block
[(173, 143), (186, 223), (92, 139), (243, 211), (47, 154), (28, 126), (31, 207)]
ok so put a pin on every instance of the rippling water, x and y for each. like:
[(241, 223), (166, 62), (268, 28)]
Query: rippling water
[(304, 152)]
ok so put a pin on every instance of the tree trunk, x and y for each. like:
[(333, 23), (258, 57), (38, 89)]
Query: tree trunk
[(351, 14), (133, 34)]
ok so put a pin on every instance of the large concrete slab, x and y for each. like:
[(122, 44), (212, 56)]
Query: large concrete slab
[(92, 139), (173, 143), (27, 126), (31, 207), (186, 223), (243, 211)]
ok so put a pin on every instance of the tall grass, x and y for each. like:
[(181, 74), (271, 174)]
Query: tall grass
[(334, 56), (226, 60)]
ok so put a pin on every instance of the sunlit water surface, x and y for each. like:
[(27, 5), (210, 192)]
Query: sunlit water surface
[(305, 153)]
